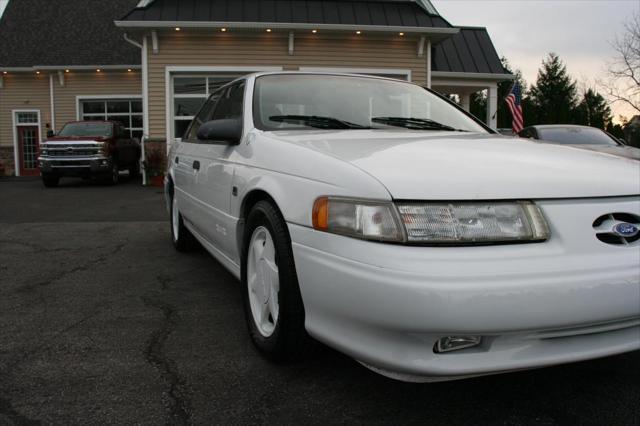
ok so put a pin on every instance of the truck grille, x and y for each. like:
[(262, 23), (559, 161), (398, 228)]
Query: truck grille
[(73, 150)]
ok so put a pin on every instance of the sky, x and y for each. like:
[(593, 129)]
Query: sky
[(524, 31)]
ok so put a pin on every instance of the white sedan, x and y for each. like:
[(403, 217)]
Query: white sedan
[(377, 217)]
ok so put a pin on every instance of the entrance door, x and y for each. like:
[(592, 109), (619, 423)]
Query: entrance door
[(28, 142)]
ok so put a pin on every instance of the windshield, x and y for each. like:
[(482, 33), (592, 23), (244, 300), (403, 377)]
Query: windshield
[(576, 136), (308, 101), (87, 129)]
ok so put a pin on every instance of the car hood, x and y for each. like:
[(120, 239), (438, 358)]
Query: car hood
[(469, 166), (621, 151)]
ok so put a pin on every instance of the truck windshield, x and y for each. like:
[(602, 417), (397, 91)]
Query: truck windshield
[(87, 129), (313, 101)]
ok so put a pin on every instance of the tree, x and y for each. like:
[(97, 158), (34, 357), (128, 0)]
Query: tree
[(554, 96), (593, 110), (623, 85)]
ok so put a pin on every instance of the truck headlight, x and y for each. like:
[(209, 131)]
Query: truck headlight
[(471, 222), (370, 220)]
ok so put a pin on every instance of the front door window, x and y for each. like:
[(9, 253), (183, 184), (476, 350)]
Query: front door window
[(28, 141)]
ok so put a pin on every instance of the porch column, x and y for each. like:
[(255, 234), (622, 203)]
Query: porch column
[(492, 106), (465, 101)]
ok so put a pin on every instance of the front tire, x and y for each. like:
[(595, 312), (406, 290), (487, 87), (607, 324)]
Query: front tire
[(274, 311), (113, 175), (181, 237)]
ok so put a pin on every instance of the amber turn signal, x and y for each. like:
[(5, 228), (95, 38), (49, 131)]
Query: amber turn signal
[(321, 214)]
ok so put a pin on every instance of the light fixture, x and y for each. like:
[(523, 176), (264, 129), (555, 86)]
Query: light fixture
[(129, 70), (268, 30), (401, 34), (37, 72), (98, 70), (224, 30), (4, 72), (66, 70), (177, 28), (358, 32), (314, 31)]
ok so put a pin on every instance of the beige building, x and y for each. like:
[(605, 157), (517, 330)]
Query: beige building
[(150, 64)]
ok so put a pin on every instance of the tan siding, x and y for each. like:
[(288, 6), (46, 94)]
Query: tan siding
[(229, 49), (23, 91), (83, 83)]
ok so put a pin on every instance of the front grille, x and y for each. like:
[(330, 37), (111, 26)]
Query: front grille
[(73, 150), (605, 227)]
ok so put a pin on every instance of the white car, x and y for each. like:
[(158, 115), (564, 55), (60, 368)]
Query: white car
[(375, 216)]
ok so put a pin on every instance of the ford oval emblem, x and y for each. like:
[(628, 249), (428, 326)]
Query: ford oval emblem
[(626, 230)]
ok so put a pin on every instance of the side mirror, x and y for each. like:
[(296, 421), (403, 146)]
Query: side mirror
[(50, 133), (221, 131)]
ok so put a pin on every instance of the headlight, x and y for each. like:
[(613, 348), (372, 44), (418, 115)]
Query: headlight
[(462, 223), (370, 220), (431, 223)]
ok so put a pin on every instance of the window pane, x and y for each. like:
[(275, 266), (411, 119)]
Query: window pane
[(136, 106), (187, 106), (137, 134), (93, 107), (217, 82), (181, 127), (118, 106), (124, 120), (136, 121), (27, 117), (93, 117), (230, 104), (203, 116), (190, 85)]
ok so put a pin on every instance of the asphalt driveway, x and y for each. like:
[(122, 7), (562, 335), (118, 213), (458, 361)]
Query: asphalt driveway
[(101, 321)]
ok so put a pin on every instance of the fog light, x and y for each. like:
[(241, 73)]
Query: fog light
[(104, 162), (454, 343)]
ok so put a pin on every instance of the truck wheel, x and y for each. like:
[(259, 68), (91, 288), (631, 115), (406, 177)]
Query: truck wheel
[(114, 174), (273, 306), (49, 180), (183, 240), (134, 170)]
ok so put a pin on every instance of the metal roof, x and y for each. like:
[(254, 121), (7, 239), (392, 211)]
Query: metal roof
[(69, 32), (391, 13), (469, 51)]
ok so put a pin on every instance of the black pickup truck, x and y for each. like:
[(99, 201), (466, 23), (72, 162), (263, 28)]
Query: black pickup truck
[(88, 149)]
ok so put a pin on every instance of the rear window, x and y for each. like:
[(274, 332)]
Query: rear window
[(576, 136), (87, 129)]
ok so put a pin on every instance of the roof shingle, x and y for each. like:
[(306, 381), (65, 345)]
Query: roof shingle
[(469, 51)]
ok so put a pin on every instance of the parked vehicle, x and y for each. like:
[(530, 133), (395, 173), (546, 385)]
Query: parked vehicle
[(584, 137), (89, 149), (377, 217)]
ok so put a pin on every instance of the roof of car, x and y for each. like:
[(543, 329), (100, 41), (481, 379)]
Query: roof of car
[(561, 126), (407, 13), (65, 33)]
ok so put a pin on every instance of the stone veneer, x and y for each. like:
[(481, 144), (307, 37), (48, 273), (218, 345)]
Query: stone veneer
[(7, 166)]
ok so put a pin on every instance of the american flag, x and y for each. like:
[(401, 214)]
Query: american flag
[(514, 102)]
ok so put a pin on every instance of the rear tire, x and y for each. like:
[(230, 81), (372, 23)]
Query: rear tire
[(182, 239), (50, 181), (273, 305)]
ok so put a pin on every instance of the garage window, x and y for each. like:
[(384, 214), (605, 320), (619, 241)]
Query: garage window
[(189, 93), (128, 112)]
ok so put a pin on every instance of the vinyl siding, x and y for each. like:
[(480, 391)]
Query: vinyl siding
[(83, 83), (23, 91), (261, 49)]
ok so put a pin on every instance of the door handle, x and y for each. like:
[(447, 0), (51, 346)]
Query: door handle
[(196, 165)]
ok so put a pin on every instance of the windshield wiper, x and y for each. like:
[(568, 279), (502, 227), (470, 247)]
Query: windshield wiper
[(317, 121), (415, 123)]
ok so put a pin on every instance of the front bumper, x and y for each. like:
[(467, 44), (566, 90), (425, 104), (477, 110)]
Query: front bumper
[(568, 299), (75, 166)]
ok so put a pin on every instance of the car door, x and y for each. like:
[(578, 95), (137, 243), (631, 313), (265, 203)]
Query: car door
[(186, 157), (214, 179)]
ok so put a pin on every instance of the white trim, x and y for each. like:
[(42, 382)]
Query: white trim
[(168, 86), (288, 26), (372, 71), (16, 69), (468, 75), (145, 89), (86, 67), (1, 81), (154, 42), (14, 128), (291, 43), (421, 42), (429, 72), (105, 97), (61, 78), (52, 104)]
